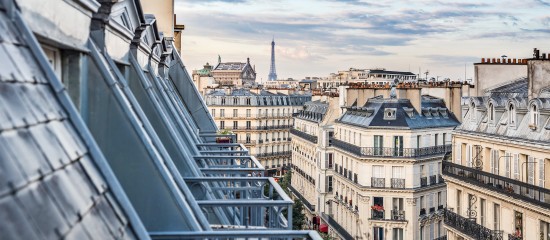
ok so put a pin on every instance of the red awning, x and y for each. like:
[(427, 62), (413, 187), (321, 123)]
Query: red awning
[(323, 228)]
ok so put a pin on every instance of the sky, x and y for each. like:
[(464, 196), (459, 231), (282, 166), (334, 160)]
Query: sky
[(316, 38)]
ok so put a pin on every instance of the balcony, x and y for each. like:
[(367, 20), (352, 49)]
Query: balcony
[(514, 237), (378, 182), (273, 127), (302, 199), (503, 185), (398, 215), (247, 142), (335, 226), (273, 154), (377, 214), (398, 183), (470, 227), (303, 135), (423, 181), (391, 152)]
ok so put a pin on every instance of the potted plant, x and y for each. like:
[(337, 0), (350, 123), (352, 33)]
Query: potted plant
[(224, 139)]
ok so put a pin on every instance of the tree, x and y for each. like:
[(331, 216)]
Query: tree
[(298, 217)]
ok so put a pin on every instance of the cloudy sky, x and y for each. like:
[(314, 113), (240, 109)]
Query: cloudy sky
[(316, 38)]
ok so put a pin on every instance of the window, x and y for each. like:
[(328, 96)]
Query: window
[(444, 139), (235, 124), (398, 234), (482, 212), (494, 161), (544, 230), (421, 233), (516, 166), (491, 113), (213, 112), (534, 116), (398, 145), (235, 111), (248, 124), (248, 138), (248, 112), (378, 233), (496, 217), (378, 171), (518, 224), (222, 112), (222, 124), (248, 101), (223, 103), (398, 172), (329, 160), (436, 140), (329, 184), (235, 101), (512, 115), (459, 202)]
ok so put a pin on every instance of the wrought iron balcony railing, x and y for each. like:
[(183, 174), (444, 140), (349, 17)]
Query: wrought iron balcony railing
[(377, 214), (441, 238), (470, 227), (274, 154), (507, 186), (237, 234), (378, 182), (390, 152), (250, 116), (247, 142), (306, 203), (337, 227), (398, 183), (303, 135), (273, 127), (398, 215), (514, 237)]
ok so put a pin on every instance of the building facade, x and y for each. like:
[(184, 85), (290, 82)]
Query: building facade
[(496, 178), (234, 73), (261, 120), (375, 172)]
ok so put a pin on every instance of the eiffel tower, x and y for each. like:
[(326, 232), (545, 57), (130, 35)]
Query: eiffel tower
[(272, 73)]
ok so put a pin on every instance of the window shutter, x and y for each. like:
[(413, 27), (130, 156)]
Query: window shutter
[(469, 155), (507, 159), (516, 166), (497, 162), (541, 173), (416, 178), (459, 153), (492, 161), (531, 171)]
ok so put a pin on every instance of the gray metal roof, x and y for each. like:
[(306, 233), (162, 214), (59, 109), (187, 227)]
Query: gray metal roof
[(314, 111), (50, 182), (434, 114)]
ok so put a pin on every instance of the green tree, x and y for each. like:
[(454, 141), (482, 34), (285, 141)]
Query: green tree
[(298, 217)]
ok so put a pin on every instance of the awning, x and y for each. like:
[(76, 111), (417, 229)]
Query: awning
[(323, 228)]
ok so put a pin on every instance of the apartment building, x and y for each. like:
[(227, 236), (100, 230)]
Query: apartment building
[(375, 172), (234, 73), (496, 178), (261, 120)]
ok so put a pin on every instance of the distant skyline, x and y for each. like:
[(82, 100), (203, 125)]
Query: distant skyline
[(316, 38)]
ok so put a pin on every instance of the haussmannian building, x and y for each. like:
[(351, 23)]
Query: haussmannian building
[(496, 178), (372, 169), (260, 119)]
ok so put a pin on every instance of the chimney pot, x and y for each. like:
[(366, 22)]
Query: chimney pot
[(498, 60), (544, 56), (482, 60), (494, 60)]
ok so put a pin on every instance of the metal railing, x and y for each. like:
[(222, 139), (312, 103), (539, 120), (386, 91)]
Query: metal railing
[(398, 183), (377, 214), (513, 237), (303, 135), (433, 180), (251, 116), (237, 234), (470, 227), (306, 203), (274, 154), (377, 182), (391, 152), (272, 127), (507, 186), (337, 227), (398, 215), (246, 198), (247, 142)]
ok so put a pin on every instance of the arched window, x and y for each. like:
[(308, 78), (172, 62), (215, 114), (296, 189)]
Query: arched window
[(512, 114), (534, 115), (491, 112)]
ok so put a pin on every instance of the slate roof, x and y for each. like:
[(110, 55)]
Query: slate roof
[(231, 66), (377, 71), (50, 185), (434, 114), (314, 111)]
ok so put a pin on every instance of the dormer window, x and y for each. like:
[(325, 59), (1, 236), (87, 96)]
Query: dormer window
[(491, 112), (223, 101), (443, 112), (534, 117), (389, 113), (512, 115), (473, 112)]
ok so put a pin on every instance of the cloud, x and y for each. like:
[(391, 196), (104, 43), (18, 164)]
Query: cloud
[(450, 60)]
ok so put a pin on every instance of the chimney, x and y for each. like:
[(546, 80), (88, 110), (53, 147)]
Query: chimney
[(538, 75), (536, 53)]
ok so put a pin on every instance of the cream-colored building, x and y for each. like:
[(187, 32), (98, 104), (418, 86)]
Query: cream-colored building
[(261, 121), (496, 178), (370, 167), (234, 73)]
